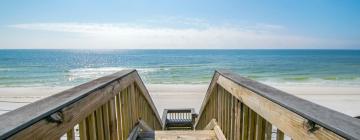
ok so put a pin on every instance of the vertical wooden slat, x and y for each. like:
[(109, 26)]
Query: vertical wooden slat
[(142, 107), (129, 107), (82, 130), (268, 131), (219, 106), (133, 110), (216, 109), (138, 93), (226, 113), (229, 115), (241, 119), (105, 111), (235, 116), (91, 127), (125, 113), (119, 116), (125, 110), (237, 120), (227, 110), (245, 124), (232, 121), (70, 135), (222, 107), (260, 128), (99, 124), (252, 125), (112, 120), (279, 135)]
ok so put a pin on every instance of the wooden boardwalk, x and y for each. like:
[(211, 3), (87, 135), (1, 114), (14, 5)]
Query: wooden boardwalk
[(118, 107)]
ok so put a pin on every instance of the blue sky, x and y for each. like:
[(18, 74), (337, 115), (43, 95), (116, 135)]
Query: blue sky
[(173, 24)]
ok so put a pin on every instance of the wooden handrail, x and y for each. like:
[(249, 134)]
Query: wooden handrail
[(107, 107), (249, 108)]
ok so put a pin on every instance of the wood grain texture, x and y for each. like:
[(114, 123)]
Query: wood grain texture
[(289, 122), (70, 135), (99, 124), (339, 123), (91, 127), (214, 126), (279, 135), (268, 130), (191, 135), (82, 130)]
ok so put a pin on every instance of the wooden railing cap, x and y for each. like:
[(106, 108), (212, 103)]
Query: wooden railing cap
[(339, 123)]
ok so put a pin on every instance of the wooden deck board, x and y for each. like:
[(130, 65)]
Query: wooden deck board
[(185, 135)]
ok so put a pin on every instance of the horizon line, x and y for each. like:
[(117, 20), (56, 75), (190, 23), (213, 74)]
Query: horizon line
[(182, 49)]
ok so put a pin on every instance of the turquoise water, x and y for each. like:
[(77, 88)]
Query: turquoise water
[(21, 68)]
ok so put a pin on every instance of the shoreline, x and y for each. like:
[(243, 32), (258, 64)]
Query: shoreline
[(341, 98)]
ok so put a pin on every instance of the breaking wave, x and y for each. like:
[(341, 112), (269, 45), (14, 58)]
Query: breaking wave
[(91, 73)]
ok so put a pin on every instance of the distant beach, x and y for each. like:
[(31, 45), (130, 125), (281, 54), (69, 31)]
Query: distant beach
[(342, 99), (180, 78)]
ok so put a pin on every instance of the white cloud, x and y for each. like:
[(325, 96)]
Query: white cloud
[(119, 36)]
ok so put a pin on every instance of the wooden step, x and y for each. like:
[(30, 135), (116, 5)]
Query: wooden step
[(180, 135)]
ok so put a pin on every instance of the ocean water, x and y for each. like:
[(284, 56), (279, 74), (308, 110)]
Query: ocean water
[(24, 68)]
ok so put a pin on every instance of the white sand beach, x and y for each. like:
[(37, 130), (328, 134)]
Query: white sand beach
[(342, 99)]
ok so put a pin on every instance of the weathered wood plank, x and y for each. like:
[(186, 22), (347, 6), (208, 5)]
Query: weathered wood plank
[(232, 121), (268, 131), (226, 114), (91, 128), (245, 124), (237, 120), (99, 124), (260, 128), (126, 113), (70, 135), (221, 108), (112, 120), (279, 135), (252, 124), (120, 116), (106, 122), (82, 130), (213, 125)]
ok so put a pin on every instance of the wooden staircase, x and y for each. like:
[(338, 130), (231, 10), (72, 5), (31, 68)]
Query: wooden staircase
[(177, 124), (119, 107)]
